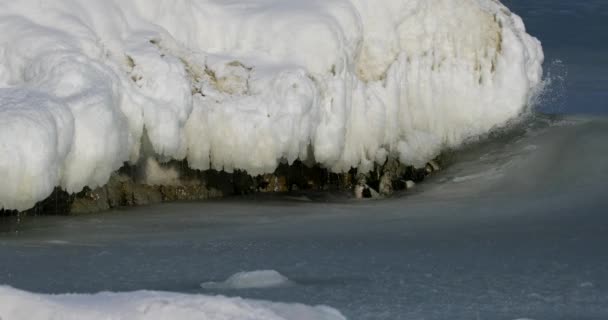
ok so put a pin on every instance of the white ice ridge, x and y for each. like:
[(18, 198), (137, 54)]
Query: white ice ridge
[(251, 280), (148, 305), (86, 85)]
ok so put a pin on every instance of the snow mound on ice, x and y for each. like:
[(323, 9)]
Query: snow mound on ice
[(86, 85), (251, 280), (18, 305)]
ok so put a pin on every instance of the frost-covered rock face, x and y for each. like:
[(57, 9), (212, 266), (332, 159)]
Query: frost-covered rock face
[(244, 84)]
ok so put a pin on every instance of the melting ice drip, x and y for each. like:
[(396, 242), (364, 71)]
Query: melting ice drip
[(247, 84)]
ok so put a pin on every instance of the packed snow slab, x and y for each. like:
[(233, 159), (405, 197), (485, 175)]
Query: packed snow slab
[(149, 305), (88, 85), (260, 279)]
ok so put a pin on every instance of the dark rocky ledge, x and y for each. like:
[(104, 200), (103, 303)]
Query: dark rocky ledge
[(126, 187)]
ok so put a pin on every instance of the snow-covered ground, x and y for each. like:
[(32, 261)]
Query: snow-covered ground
[(87, 85), (19, 305)]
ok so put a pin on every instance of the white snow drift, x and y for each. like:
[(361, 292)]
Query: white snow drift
[(248, 83), (21, 305), (260, 279)]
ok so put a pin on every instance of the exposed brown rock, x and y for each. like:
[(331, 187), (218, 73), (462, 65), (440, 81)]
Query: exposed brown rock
[(128, 188)]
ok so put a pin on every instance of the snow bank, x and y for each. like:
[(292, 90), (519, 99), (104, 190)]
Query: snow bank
[(86, 85), (251, 280), (17, 305)]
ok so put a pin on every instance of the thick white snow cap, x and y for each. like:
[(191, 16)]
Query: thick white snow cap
[(245, 84)]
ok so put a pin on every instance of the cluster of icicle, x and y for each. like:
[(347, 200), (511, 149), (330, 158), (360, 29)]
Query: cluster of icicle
[(86, 85)]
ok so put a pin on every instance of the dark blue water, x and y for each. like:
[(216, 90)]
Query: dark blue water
[(574, 35)]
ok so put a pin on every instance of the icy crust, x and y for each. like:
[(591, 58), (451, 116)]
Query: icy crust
[(17, 305), (87, 85)]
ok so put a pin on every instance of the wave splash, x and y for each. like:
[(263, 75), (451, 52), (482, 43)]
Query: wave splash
[(88, 85)]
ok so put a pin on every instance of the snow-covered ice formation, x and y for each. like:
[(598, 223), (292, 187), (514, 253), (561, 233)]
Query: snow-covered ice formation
[(251, 280), (18, 305), (86, 85)]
